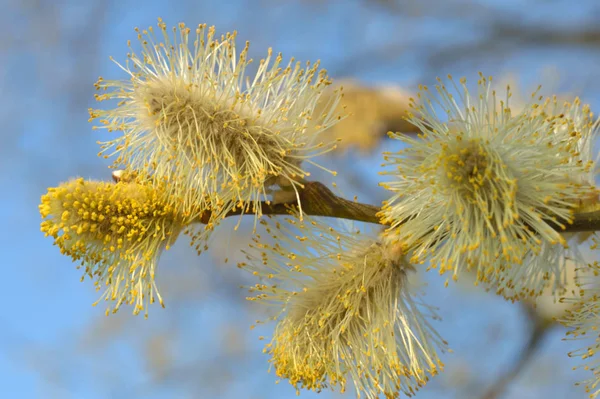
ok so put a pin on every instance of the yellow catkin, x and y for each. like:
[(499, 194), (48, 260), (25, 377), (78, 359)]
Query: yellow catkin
[(191, 117), (349, 311), (116, 231), (478, 190)]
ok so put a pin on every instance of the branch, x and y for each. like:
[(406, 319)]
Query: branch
[(538, 330), (318, 200)]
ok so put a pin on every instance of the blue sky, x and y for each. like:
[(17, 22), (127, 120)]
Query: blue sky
[(54, 344)]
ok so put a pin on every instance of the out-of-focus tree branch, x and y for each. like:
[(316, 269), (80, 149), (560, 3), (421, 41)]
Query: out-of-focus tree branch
[(539, 327), (505, 37)]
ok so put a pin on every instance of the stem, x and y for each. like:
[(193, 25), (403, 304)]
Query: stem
[(318, 200)]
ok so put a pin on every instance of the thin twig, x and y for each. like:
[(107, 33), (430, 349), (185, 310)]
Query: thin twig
[(318, 200), (538, 330)]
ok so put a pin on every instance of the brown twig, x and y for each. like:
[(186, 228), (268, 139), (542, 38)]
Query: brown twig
[(318, 200)]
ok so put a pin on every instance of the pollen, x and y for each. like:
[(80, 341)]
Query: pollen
[(116, 232)]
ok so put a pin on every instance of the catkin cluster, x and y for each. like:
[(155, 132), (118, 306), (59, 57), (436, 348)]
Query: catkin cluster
[(483, 189)]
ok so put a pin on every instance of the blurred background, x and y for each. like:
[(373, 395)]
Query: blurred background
[(54, 344)]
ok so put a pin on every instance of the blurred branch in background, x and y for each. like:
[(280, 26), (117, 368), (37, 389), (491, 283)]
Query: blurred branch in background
[(482, 33), (505, 36), (538, 330)]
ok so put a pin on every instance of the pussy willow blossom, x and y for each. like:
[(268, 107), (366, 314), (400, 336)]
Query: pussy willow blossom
[(575, 124), (481, 189), (348, 309), (190, 116), (117, 232), (584, 323)]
